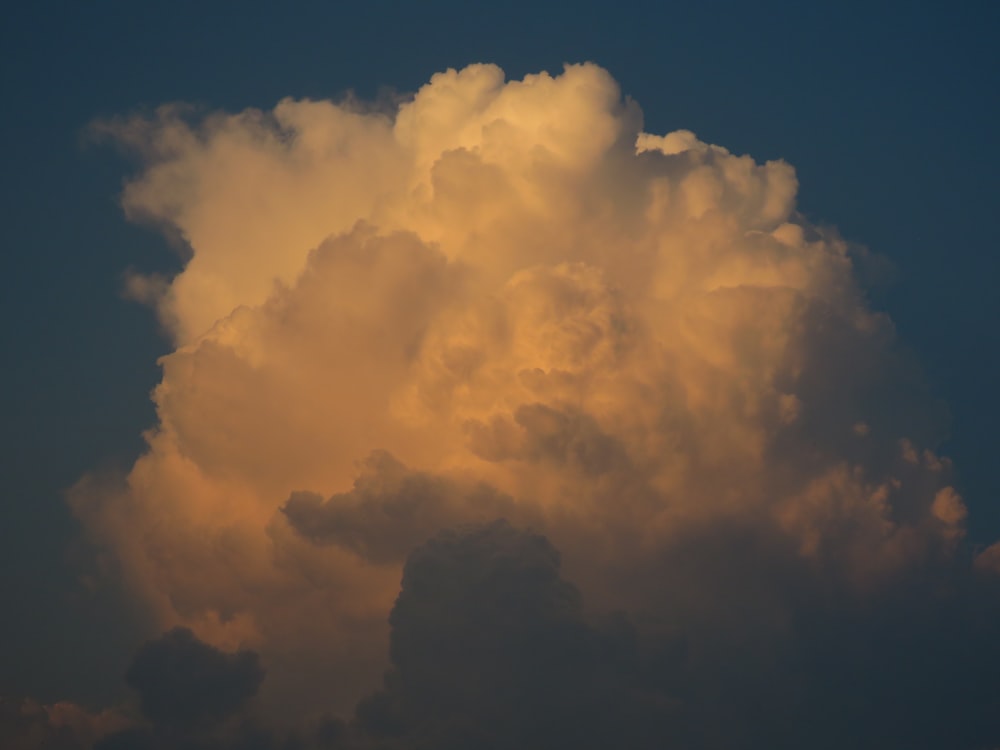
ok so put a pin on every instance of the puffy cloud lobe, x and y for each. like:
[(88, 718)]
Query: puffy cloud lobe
[(489, 648), (391, 510), (193, 696), (29, 725), (539, 432), (515, 303), (185, 683)]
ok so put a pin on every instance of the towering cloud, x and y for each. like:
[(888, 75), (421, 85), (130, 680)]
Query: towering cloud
[(503, 299)]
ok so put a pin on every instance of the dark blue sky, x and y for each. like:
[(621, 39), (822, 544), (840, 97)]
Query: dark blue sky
[(887, 110)]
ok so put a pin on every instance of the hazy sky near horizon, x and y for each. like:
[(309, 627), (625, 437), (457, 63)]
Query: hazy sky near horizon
[(887, 113)]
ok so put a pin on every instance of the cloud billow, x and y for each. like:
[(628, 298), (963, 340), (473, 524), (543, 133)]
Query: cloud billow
[(184, 682), (490, 648), (391, 510)]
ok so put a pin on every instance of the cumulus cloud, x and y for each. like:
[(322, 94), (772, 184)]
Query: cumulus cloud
[(505, 299)]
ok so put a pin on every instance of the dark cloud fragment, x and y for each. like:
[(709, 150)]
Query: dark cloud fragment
[(562, 436), (183, 682), (391, 509), (136, 738), (243, 737), (490, 649), (26, 725)]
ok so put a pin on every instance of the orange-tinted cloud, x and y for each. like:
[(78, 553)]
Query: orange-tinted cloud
[(524, 306)]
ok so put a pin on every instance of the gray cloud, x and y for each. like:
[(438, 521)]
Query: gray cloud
[(540, 432), (392, 509), (490, 648), (185, 683)]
